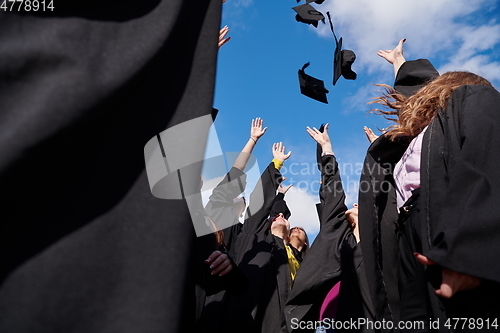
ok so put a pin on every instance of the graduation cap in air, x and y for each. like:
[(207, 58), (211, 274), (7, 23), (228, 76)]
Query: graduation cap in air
[(342, 59), (307, 14), (312, 87)]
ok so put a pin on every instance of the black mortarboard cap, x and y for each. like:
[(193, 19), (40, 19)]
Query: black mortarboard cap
[(342, 59), (319, 2), (312, 87), (307, 14)]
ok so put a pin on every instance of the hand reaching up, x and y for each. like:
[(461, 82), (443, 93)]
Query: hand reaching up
[(283, 189), (392, 55), (322, 138), (369, 134), (222, 34), (257, 131), (279, 152)]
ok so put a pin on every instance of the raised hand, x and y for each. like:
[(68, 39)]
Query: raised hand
[(279, 152), (369, 134), (322, 138), (257, 131), (222, 34), (392, 55), (284, 189)]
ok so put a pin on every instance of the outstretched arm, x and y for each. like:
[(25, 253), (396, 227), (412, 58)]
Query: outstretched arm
[(394, 57), (262, 197), (331, 194), (321, 268), (256, 132)]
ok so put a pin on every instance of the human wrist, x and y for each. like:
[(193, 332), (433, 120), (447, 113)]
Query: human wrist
[(278, 163), (327, 147), (254, 138)]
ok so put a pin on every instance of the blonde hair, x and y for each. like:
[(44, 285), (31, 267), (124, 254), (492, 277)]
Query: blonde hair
[(414, 113)]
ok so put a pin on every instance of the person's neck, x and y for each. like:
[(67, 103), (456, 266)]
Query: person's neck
[(281, 233), (296, 244)]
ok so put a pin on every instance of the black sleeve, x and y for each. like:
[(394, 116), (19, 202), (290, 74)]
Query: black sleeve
[(468, 230), (332, 194), (321, 268), (228, 189), (220, 204), (261, 201), (413, 75)]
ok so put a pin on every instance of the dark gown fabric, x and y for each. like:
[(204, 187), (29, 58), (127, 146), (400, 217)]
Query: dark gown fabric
[(377, 205), (334, 256), (262, 258), (220, 208), (458, 178), (211, 289), (460, 183), (84, 245)]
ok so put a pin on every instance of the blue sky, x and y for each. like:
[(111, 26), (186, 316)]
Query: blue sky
[(257, 77)]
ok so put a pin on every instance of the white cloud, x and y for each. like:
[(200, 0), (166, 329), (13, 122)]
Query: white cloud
[(303, 207), (235, 12), (433, 29), (358, 101)]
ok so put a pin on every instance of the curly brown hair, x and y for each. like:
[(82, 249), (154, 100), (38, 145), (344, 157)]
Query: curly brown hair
[(414, 113)]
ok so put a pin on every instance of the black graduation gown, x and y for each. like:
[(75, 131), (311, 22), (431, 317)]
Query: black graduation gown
[(334, 256), (84, 245), (377, 204), (455, 161), (460, 191), (263, 259), (211, 289), (220, 208)]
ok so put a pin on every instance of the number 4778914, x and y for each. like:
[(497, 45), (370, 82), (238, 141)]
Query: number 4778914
[(27, 5)]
